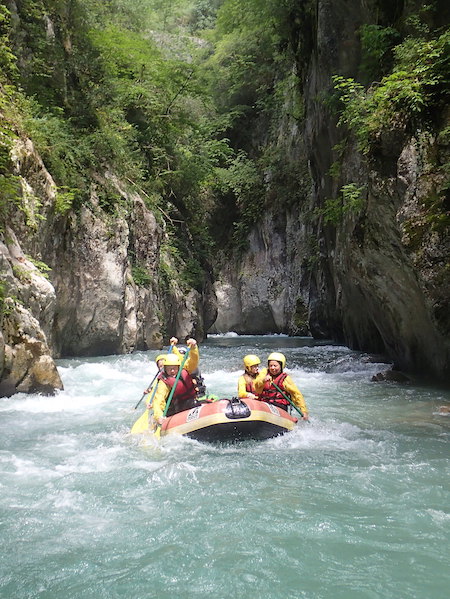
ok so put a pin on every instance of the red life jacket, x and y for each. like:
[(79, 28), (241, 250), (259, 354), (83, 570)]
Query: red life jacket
[(185, 393), (271, 395)]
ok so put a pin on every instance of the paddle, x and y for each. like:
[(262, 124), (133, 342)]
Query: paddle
[(141, 424), (145, 392), (287, 398), (157, 432)]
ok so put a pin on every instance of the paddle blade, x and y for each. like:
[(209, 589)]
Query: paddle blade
[(141, 424), (157, 432)]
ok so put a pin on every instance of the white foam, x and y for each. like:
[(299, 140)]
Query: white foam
[(228, 334), (439, 516), (24, 468), (100, 459)]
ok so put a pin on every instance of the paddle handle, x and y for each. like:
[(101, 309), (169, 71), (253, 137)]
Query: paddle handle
[(288, 399)]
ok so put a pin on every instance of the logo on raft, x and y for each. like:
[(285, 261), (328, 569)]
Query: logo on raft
[(273, 409), (194, 414)]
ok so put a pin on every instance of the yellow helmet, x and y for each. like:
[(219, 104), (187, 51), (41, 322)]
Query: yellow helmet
[(172, 360), (160, 357), (278, 358), (251, 360)]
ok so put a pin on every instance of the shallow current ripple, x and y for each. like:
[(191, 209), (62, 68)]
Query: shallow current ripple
[(354, 504)]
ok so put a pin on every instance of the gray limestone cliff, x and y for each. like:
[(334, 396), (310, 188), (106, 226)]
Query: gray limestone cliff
[(68, 286)]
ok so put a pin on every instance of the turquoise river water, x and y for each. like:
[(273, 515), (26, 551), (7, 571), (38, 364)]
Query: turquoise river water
[(353, 505)]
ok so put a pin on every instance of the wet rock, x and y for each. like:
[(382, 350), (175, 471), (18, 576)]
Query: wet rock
[(393, 376), (27, 309), (28, 366), (34, 370)]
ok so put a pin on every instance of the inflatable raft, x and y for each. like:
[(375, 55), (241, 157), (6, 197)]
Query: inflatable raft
[(230, 420)]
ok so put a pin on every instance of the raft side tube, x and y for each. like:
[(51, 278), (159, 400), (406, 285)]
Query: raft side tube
[(228, 419)]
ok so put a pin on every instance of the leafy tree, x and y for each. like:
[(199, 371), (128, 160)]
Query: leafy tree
[(8, 68), (203, 15)]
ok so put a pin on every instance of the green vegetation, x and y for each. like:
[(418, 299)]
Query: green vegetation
[(3, 296), (7, 302), (241, 181), (103, 94), (403, 90), (253, 84), (10, 190), (22, 274), (64, 199), (42, 267), (377, 44), (350, 199), (7, 59), (126, 88), (140, 275), (403, 100), (184, 101)]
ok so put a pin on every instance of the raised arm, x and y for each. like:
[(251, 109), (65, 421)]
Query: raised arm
[(193, 358)]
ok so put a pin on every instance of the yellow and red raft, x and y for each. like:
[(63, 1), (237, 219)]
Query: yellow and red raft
[(230, 420)]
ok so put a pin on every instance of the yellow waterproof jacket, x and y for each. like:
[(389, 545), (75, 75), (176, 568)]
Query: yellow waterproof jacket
[(259, 381), (163, 390), (177, 352), (289, 388), (242, 384)]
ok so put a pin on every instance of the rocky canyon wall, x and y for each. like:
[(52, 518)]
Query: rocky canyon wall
[(68, 286), (377, 279)]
